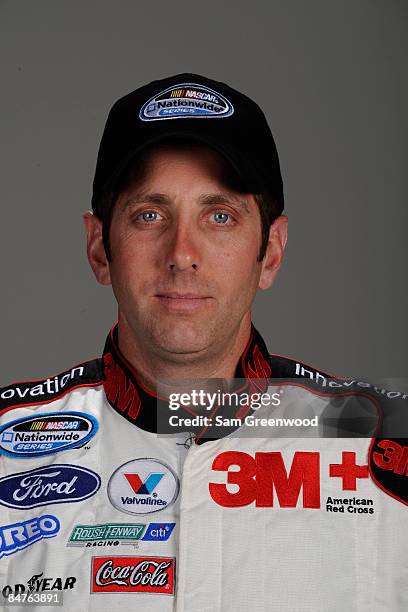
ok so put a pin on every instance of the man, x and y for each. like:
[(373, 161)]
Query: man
[(224, 513)]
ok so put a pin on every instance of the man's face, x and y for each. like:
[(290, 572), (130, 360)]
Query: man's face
[(184, 248)]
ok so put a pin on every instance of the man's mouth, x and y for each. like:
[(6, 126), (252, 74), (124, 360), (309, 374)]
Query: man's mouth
[(179, 300)]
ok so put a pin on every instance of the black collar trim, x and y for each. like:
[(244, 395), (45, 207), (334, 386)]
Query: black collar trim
[(128, 396)]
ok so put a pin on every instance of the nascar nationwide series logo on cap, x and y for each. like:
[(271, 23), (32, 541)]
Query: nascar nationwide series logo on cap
[(143, 486), (186, 100), (45, 434), (133, 575)]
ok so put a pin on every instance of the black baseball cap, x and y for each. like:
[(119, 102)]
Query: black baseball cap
[(190, 106)]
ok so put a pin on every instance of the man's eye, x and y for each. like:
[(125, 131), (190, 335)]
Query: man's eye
[(148, 216), (221, 217)]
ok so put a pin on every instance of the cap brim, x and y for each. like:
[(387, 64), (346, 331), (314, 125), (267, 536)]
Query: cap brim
[(242, 168)]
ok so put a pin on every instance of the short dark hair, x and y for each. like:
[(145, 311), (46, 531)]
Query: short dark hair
[(268, 208)]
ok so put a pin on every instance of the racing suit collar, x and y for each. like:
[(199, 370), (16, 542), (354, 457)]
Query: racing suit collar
[(132, 400)]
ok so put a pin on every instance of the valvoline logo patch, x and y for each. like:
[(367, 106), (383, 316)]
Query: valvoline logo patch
[(45, 434), (186, 101), (143, 486), (55, 484)]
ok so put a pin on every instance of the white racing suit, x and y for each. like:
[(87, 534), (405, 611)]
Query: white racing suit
[(98, 510)]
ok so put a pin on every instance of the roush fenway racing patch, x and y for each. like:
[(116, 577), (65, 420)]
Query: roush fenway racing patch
[(133, 575)]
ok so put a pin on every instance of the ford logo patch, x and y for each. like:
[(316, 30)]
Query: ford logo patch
[(53, 484), (48, 433)]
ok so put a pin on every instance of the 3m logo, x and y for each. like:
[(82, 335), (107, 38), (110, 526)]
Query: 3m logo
[(389, 466), (143, 488), (259, 478), (392, 456)]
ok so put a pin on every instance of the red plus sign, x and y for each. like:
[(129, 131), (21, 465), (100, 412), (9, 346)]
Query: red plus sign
[(349, 471)]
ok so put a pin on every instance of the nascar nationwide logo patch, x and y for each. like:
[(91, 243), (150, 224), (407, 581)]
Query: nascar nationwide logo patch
[(46, 433), (186, 101)]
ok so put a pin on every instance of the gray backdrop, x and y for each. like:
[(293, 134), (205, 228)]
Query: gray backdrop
[(332, 79)]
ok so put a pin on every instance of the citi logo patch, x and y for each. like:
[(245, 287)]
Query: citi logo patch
[(186, 100), (158, 532), (55, 484), (143, 486), (45, 434)]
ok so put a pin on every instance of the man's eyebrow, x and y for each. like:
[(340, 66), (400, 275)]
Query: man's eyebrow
[(148, 198), (222, 198), (206, 199)]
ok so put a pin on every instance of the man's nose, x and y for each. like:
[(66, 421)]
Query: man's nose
[(183, 249)]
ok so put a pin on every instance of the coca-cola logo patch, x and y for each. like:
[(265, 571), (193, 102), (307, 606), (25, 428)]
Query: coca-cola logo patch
[(133, 575)]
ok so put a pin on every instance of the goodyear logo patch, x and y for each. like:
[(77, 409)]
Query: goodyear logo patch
[(186, 101)]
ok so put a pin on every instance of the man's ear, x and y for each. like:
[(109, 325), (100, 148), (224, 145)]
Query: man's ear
[(95, 248), (278, 235)]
